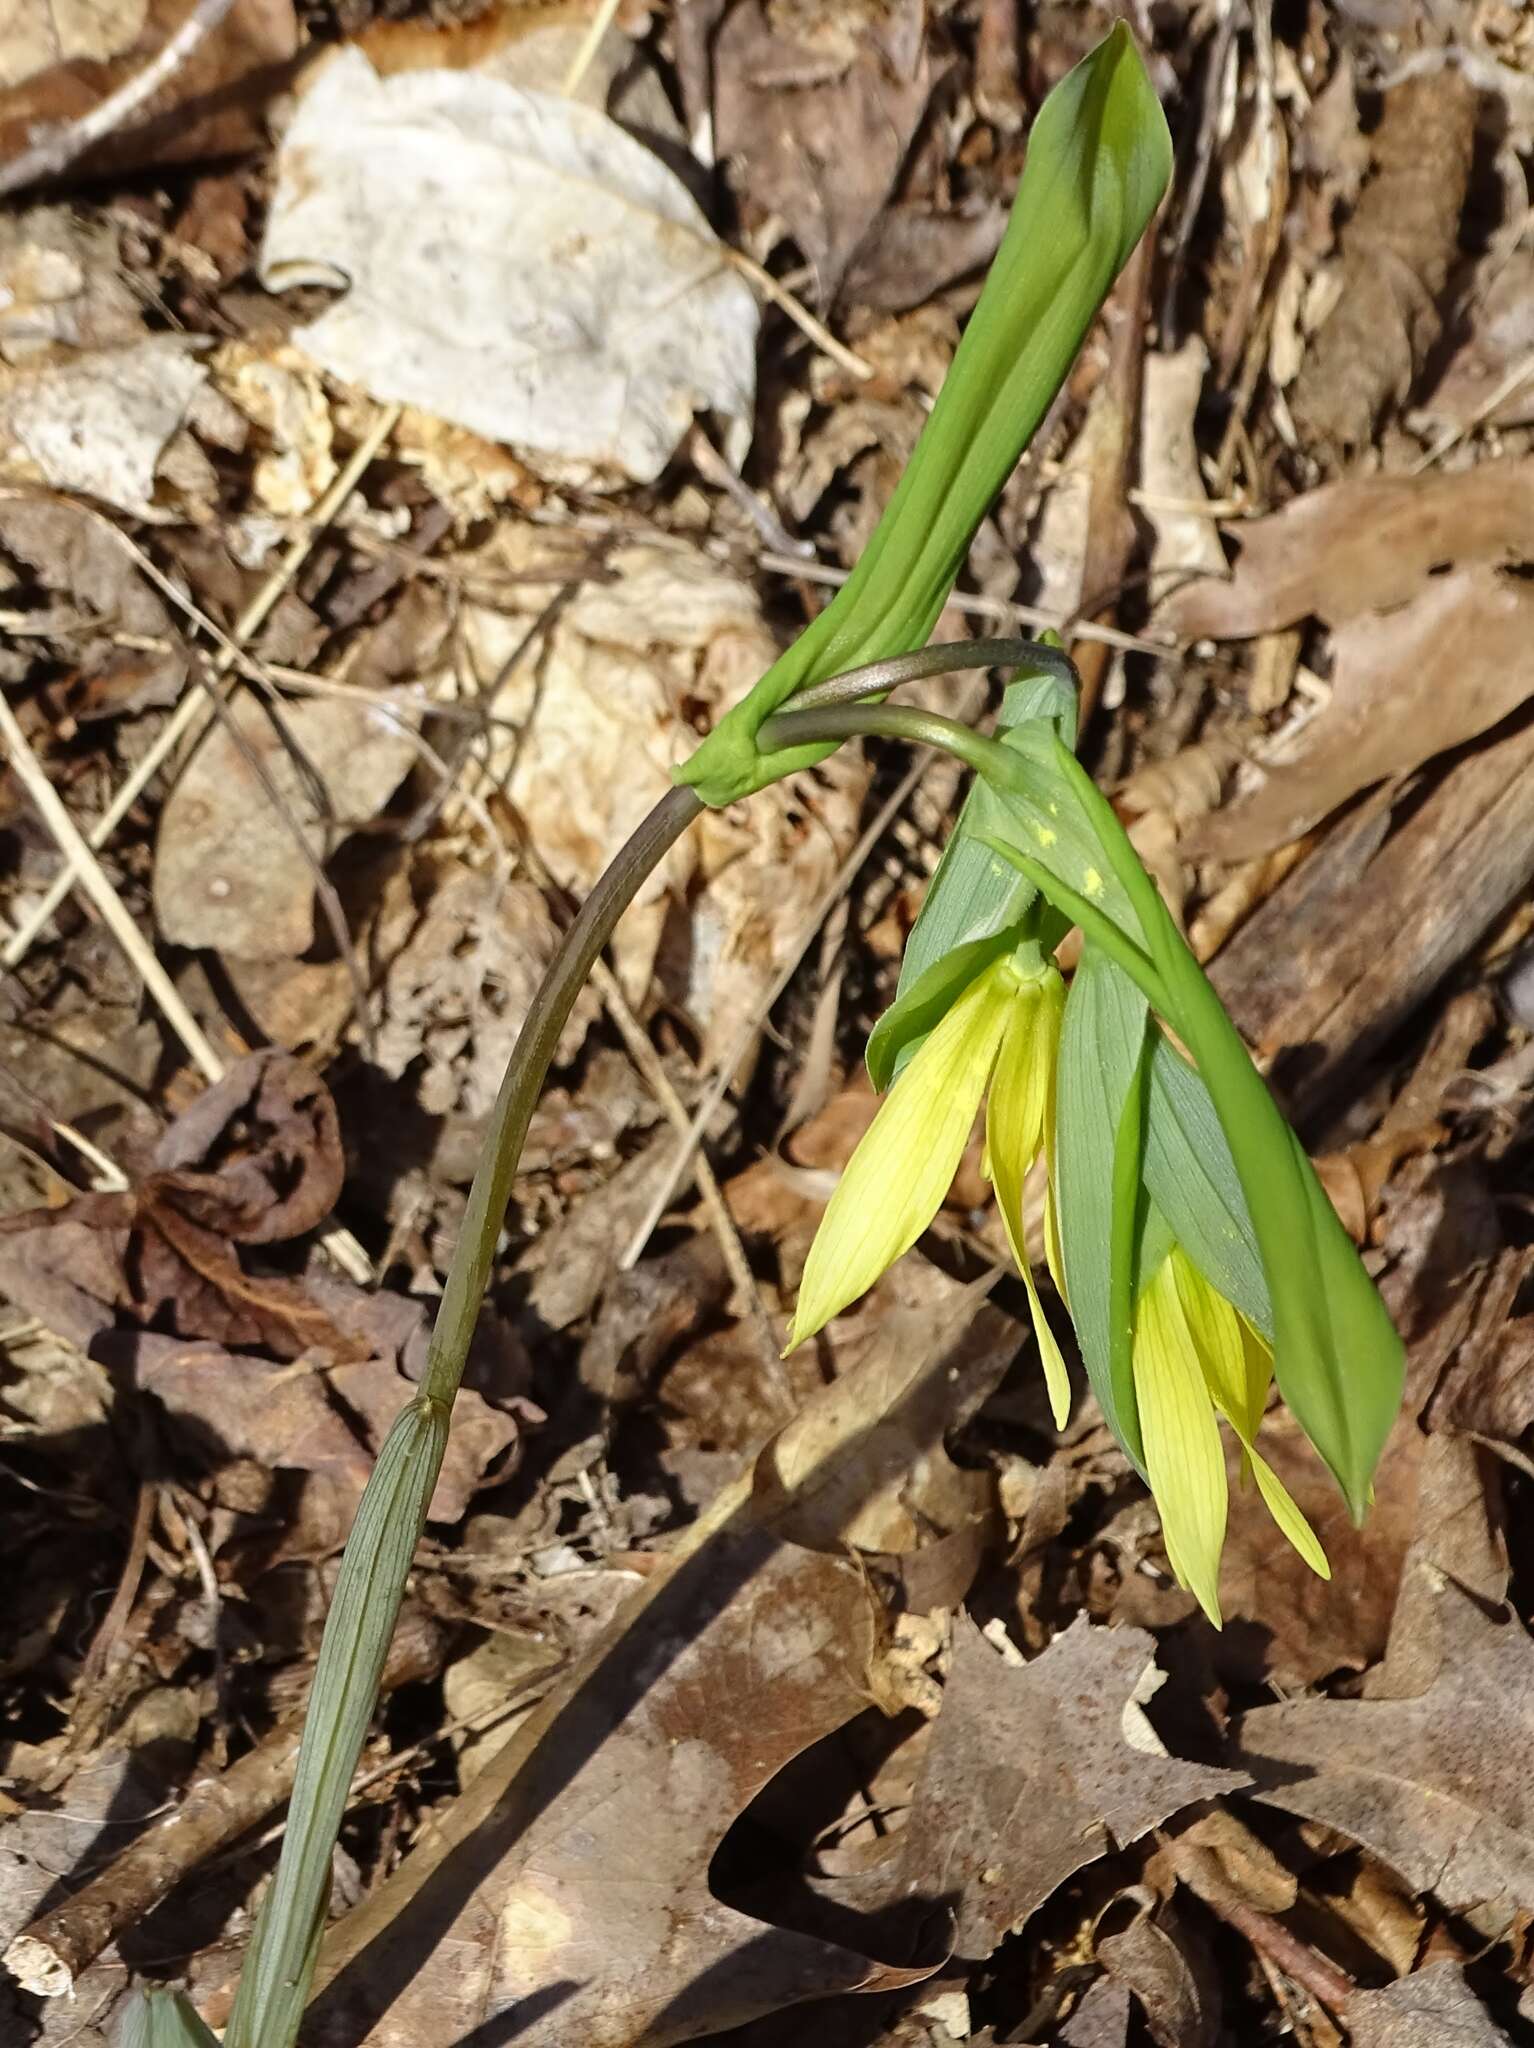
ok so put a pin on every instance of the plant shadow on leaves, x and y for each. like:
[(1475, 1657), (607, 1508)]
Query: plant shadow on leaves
[(701, 1589)]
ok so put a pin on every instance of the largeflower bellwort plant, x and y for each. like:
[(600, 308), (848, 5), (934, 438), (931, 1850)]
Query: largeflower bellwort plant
[(1184, 1227)]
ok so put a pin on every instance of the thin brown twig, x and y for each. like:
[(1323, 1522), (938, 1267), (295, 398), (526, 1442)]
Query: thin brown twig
[(56, 150), (814, 330), (737, 1265), (129, 1579), (87, 875), (50, 1954)]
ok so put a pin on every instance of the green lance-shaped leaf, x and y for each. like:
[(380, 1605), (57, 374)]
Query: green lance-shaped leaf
[(974, 894), (163, 2019), (1100, 1055), (279, 1964), (1099, 158), (1192, 1176)]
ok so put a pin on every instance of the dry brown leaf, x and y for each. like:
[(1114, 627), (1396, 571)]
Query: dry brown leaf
[(1218, 1857), (327, 1425), (98, 424), (74, 558), (1355, 1180), (1037, 1770), (817, 107), (229, 872), (1186, 540), (456, 993), (1395, 258), (601, 706), (1432, 2008), (1415, 682), (257, 1155), (1359, 546), (58, 62), (863, 1462), (254, 1160), (1492, 1391), (1102, 2018), (1157, 1958), (1430, 1516), (592, 1918), (1303, 1627), (1481, 380), (913, 252), (1440, 1787)]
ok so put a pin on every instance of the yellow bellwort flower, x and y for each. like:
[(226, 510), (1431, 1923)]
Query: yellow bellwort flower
[(1003, 1032), (1195, 1360)]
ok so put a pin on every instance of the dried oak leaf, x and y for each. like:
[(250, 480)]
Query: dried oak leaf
[(257, 1155), (1035, 1771), (1158, 1958), (1440, 1787), (592, 1918), (1391, 707), (1396, 253), (1360, 545), (1432, 2008), (330, 1425), (818, 117), (255, 1159)]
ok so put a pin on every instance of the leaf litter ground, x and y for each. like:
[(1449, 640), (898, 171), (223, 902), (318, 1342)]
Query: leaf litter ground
[(728, 1685)]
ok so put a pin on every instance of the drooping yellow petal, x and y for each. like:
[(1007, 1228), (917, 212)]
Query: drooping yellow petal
[(1258, 1360), (1183, 1455), (1053, 1257), (899, 1174), (1014, 1136), (1280, 1505), (1237, 1368), (1215, 1331), (1057, 1381)]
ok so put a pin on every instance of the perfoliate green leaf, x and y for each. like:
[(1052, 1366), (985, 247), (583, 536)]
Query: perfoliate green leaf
[(1100, 1044), (923, 1006), (973, 893), (1190, 1172), (1099, 158), (164, 2019)]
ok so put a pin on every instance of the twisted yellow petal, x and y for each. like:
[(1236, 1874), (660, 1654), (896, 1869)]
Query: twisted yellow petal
[(1186, 1327), (1017, 1118), (1183, 1457), (895, 1180)]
